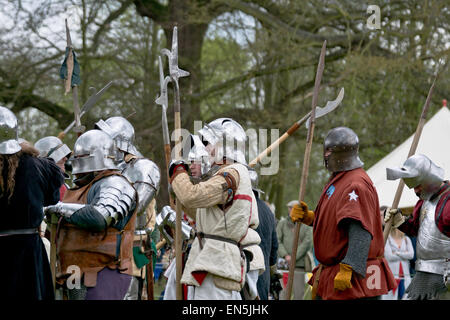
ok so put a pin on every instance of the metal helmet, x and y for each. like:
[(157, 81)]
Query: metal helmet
[(122, 132), (343, 144), (227, 137), (254, 178), (197, 149), (9, 143), (419, 170), (197, 152), (167, 219), (93, 151), (52, 147)]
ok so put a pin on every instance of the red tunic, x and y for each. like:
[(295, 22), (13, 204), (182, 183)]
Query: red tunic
[(349, 194)]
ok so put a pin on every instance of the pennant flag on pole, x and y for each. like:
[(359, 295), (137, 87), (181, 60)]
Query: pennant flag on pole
[(69, 66)]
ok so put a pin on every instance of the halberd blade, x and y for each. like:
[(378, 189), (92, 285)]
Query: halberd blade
[(330, 106)]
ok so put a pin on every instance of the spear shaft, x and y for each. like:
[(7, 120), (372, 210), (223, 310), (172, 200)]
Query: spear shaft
[(305, 169), (412, 150)]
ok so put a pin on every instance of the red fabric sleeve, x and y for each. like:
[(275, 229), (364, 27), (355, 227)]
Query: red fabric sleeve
[(411, 226), (442, 216)]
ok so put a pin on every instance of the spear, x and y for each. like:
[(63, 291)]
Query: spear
[(53, 227), (163, 101), (85, 108), (175, 74), (71, 80), (305, 169), (412, 150), (69, 84), (330, 106)]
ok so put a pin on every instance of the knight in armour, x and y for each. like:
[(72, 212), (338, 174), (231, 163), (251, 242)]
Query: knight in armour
[(144, 174), (97, 221), (429, 223)]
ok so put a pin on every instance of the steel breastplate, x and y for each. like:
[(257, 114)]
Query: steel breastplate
[(433, 247)]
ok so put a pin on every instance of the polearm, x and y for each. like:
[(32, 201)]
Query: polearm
[(69, 85), (149, 269), (305, 169), (85, 108), (319, 112), (163, 101), (53, 228), (175, 74), (70, 63), (412, 150)]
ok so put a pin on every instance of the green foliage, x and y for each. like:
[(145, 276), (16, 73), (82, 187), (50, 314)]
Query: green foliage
[(254, 61)]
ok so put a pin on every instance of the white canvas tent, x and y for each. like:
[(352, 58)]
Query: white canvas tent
[(434, 143)]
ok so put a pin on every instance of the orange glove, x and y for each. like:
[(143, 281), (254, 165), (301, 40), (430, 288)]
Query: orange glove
[(343, 278), (301, 213)]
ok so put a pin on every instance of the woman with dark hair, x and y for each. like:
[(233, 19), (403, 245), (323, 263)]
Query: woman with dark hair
[(27, 184)]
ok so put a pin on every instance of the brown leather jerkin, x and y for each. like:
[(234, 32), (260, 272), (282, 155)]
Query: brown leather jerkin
[(93, 251)]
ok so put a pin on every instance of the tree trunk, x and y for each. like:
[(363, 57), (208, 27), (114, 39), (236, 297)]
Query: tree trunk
[(190, 43)]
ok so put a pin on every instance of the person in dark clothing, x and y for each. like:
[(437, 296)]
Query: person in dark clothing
[(27, 184), (269, 242)]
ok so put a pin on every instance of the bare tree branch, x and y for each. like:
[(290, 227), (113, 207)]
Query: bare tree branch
[(106, 24), (299, 34)]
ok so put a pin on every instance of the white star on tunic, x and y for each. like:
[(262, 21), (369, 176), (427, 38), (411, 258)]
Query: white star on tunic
[(353, 196)]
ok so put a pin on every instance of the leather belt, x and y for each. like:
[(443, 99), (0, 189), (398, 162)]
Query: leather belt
[(202, 235), (13, 232), (247, 255)]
